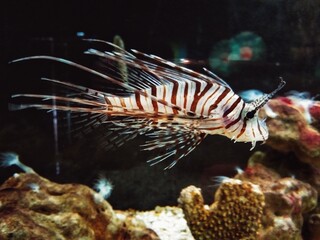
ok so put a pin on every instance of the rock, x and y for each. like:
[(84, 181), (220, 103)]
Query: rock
[(32, 207)]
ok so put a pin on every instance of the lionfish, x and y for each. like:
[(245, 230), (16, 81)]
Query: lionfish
[(172, 105)]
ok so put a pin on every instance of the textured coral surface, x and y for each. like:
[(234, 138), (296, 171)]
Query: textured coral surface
[(257, 203), (32, 207), (296, 129), (286, 200), (235, 214)]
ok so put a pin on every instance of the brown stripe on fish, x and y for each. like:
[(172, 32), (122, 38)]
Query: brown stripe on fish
[(138, 101), (233, 106), (185, 95), (195, 97), (174, 95), (198, 97), (238, 119), (205, 103), (242, 129), (219, 99), (214, 128), (109, 105), (123, 104), (154, 103), (164, 97)]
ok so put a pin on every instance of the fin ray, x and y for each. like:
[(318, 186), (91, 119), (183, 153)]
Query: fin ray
[(178, 142)]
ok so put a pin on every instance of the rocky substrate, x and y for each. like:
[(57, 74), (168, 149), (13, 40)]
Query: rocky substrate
[(32, 207)]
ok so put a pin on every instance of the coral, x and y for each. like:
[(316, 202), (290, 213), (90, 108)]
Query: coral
[(296, 128), (104, 188), (235, 214), (258, 203), (9, 159), (286, 200), (245, 46), (32, 207)]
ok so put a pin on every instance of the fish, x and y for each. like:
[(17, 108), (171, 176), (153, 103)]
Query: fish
[(253, 94), (174, 106)]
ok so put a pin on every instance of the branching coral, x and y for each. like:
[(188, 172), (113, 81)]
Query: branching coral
[(235, 214)]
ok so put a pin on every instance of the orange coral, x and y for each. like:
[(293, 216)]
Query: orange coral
[(235, 214)]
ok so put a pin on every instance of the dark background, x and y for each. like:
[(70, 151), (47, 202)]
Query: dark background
[(290, 32)]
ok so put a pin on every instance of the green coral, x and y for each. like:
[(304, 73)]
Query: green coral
[(245, 46), (235, 214)]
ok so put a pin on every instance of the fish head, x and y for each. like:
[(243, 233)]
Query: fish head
[(245, 125), (254, 128)]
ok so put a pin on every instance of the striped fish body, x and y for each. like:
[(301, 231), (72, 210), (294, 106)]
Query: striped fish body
[(221, 111), (196, 100), (174, 106)]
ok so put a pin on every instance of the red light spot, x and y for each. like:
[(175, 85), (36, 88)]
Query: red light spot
[(246, 53)]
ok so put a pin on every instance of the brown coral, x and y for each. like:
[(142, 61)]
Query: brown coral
[(235, 214), (32, 207)]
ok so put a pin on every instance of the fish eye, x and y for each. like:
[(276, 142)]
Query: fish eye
[(250, 114)]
